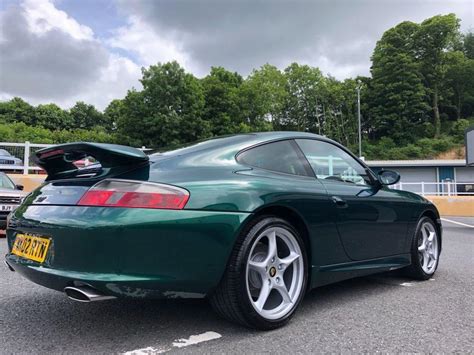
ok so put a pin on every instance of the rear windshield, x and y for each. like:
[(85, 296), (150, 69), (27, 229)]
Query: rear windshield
[(197, 146)]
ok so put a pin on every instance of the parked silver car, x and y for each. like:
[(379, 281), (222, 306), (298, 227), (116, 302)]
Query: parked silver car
[(7, 159), (11, 196)]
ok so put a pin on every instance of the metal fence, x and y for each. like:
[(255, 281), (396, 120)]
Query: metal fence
[(443, 188), (22, 151)]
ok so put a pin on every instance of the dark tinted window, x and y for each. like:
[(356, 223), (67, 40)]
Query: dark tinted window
[(330, 162), (279, 156)]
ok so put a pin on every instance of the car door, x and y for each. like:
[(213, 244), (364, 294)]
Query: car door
[(372, 222)]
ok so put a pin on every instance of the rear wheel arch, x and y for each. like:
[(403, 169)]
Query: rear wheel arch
[(293, 218), (231, 297), (289, 215)]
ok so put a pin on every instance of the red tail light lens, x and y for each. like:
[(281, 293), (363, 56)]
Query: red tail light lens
[(135, 194)]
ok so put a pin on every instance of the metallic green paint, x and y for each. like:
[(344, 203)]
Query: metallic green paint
[(168, 253), (111, 249)]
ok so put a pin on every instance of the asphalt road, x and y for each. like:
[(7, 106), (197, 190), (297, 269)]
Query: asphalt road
[(384, 313)]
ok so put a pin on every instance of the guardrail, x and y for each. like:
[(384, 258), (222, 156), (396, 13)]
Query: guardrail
[(443, 188)]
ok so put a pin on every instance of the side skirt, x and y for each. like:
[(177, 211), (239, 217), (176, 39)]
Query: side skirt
[(327, 274)]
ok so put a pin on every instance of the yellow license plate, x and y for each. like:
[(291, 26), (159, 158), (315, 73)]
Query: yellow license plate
[(31, 247)]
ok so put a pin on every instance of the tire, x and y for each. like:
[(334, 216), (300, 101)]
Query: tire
[(252, 291), (425, 250)]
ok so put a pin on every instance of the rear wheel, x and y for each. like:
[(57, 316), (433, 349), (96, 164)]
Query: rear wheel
[(425, 250), (266, 276)]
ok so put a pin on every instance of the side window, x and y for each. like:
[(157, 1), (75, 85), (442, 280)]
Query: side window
[(279, 156), (330, 162)]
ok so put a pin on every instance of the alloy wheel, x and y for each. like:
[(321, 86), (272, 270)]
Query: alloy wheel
[(428, 250), (275, 273)]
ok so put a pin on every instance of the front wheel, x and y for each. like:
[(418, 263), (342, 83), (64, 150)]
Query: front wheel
[(266, 276), (425, 250)]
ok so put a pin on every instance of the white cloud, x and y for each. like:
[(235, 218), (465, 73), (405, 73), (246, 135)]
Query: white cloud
[(149, 47), (42, 16), (336, 36), (47, 56), (119, 75)]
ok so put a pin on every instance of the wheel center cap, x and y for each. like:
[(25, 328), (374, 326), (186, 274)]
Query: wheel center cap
[(272, 271)]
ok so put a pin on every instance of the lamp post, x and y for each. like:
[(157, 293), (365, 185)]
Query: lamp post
[(358, 117)]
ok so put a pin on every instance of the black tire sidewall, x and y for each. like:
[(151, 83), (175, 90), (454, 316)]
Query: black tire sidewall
[(250, 236), (416, 265)]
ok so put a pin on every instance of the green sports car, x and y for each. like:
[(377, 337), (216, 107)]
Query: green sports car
[(250, 221)]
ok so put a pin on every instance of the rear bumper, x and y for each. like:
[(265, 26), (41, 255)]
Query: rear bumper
[(124, 252)]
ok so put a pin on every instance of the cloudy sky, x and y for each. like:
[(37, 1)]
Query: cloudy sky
[(63, 51)]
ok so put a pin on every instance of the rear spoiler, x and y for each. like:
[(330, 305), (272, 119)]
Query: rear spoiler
[(58, 160)]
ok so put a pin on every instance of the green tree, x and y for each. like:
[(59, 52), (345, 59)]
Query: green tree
[(397, 96), (52, 117), (167, 111), (85, 116), (264, 93), (223, 103), (459, 79), (305, 93), (435, 36), (468, 44), (17, 110), (114, 112)]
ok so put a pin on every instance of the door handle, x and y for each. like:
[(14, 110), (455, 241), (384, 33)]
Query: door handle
[(339, 202)]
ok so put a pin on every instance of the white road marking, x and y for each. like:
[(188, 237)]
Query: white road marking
[(146, 351), (196, 339), (178, 343), (456, 222), (407, 284)]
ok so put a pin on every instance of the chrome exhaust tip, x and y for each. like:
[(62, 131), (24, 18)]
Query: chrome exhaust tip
[(8, 266), (85, 294)]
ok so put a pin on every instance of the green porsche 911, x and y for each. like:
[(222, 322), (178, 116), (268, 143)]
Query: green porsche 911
[(250, 221)]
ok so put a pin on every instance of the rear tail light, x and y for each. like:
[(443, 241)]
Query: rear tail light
[(135, 194)]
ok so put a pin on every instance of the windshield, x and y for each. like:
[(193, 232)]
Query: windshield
[(4, 152), (6, 183)]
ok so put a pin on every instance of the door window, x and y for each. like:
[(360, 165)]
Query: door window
[(331, 163), (281, 156)]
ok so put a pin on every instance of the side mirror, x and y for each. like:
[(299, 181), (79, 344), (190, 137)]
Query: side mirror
[(388, 177), (20, 187)]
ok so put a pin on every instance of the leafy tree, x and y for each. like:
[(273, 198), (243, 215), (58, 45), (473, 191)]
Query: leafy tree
[(21, 132), (397, 94), (17, 110), (114, 112), (435, 36), (168, 111), (469, 45), (459, 79), (52, 117), (223, 106), (85, 116), (264, 93), (305, 88)]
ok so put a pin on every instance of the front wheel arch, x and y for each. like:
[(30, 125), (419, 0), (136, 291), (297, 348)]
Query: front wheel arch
[(434, 216)]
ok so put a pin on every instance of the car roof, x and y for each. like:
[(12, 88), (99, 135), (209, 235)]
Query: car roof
[(223, 149), (240, 141)]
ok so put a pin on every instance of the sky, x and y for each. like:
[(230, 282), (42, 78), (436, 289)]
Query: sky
[(64, 51)]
